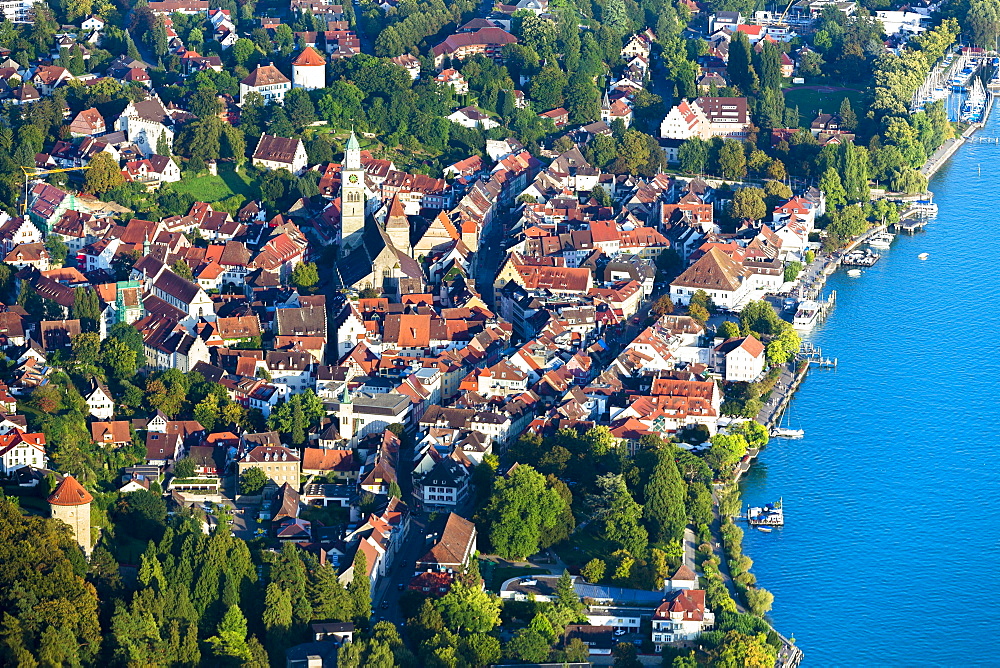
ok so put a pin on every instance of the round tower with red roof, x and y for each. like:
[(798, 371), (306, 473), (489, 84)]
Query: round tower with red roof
[(70, 502), (309, 69)]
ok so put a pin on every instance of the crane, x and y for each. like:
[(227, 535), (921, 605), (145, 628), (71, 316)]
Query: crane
[(30, 172)]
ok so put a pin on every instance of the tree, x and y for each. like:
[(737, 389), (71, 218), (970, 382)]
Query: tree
[(665, 494), (118, 358), (104, 174), (479, 649), (143, 514), (732, 159), (521, 507), (738, 650), (728, 330), (528, 646), (87, 348), (252, 481), (305, 276), (182, 269), (693, 155), (792, 270), (57, 249), (621, 515), (698, 312), (983, 18), (185, 468), (469, 609), (230, 639), (759, 601), (626, 656), (277, 617), (593, 570), (663, 306), (358, 589), (748, 203)]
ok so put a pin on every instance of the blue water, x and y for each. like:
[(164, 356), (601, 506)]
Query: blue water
[(890, 551)]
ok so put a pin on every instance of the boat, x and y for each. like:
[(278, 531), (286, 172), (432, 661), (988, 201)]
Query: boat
[(765, 529), (807, 314), (786, 431), (853, 273), (923, 256), (882, 240), (860, 258), (975, 104)]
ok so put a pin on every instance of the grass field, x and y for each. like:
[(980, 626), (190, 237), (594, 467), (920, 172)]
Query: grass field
[(810, 102), (498, 575), (216, 188)]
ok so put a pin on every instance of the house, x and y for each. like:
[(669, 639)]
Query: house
[(33, 255), (19, 449), (446, 485), (275, 152), (682, 616), (116, 434), (559, 116), (741, 358), (410, 63), (453, 547), (100, 403), (707, 117), (92, 23), (718, 275), (88, 122), (472, 117), (278, 463), (58, 334), (600, 640), (452, 77), (162, 449), (268, 82), (488, 41)]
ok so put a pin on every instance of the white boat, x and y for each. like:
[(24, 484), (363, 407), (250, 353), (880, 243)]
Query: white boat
[(882, 240), (806, 314), (853, 273), (765, 529), (785, 432), (923, 256)]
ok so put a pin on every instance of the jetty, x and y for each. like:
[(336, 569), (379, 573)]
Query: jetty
[(768, 515), (860, 258), (813, 355)]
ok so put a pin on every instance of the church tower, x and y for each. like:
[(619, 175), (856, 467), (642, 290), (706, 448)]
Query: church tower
[(397, 226), (352, 197), (70, 502)]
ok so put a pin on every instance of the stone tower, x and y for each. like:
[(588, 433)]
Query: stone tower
[(397, 226), (309, 70), (70, 502), (352, 197)]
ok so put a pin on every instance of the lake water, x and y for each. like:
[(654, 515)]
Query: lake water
[(890, 550)]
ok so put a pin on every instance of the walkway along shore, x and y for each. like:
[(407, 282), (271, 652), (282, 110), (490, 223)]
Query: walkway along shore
[(947, 149)]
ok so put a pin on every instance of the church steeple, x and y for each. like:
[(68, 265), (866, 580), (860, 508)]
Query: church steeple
[(353, 196), (352, 154)]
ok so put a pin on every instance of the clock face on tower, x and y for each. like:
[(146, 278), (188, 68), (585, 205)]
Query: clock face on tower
[(353, 178)]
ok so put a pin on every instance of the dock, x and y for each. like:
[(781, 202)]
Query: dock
[(769, 515), (860, 258)]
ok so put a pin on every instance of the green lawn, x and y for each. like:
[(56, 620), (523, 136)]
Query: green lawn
[(208, 188), (583, 546), (810, 102)]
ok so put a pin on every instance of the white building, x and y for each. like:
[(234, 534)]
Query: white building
[(268, 82), (741, 359), (18, 11), (721, 277), (681, 617), (707, 117), (309, 70), (146, 124), (18, 450), (274, 152)]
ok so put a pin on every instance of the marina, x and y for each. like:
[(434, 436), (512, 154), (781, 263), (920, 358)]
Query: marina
[(882, 241)]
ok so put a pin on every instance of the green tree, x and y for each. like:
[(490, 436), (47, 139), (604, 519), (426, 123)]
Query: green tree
[(593, 570), (277, 618), (528, 646), (469, 609), (305, 276), (57, 249), (103, 174), (359, 589), (665, 494), (732, 159), (748, 203), (185, 468), (252, 481), (621, 515), (230, 639), (728, 330), (521, 508)]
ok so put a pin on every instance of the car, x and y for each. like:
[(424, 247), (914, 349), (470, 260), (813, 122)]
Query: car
[(385, 605), (620, 632), (637, 642), (401, 586)]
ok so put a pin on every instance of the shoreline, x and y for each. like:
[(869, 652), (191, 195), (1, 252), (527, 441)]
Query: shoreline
[(791, 379)]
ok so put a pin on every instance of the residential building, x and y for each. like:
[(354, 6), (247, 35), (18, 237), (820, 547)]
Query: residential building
[(268, 82), (275, 152), (741, 359), (280, 464)]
